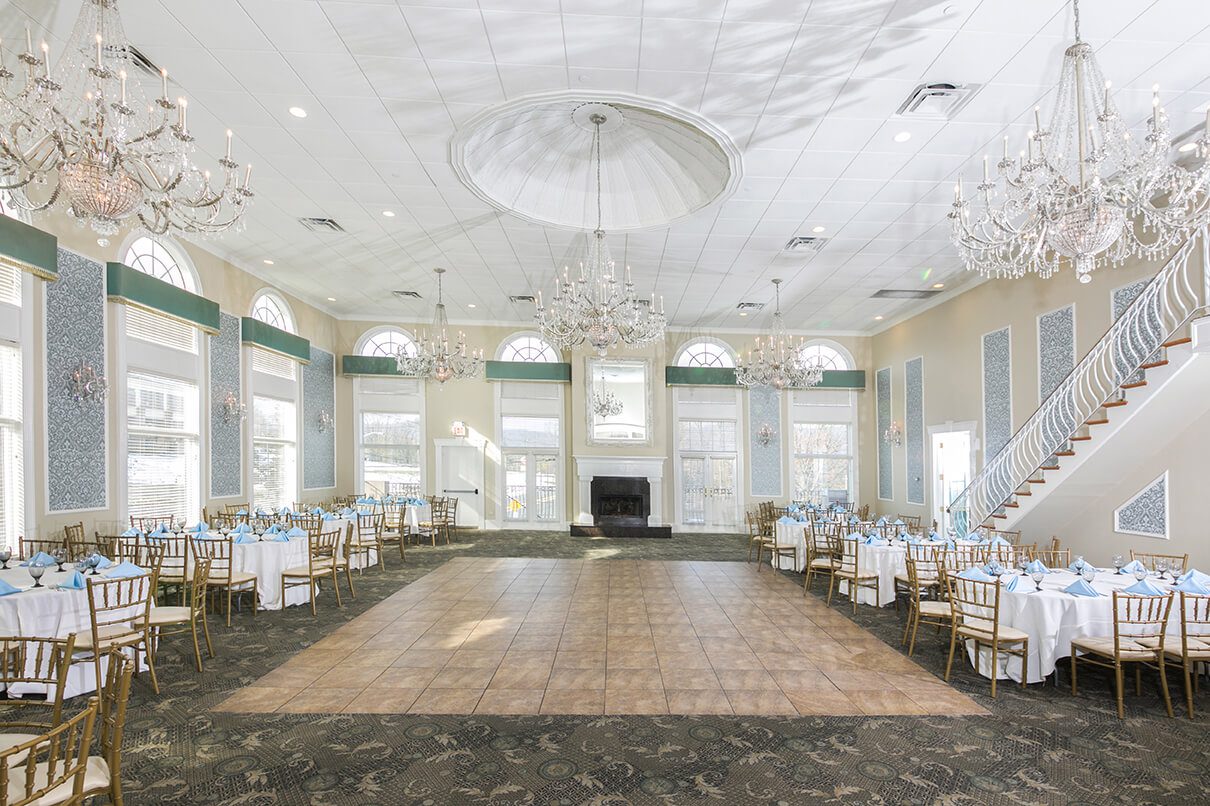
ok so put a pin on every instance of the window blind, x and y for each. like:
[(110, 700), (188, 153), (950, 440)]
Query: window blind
[(274, 467), (163, 466), (162, 330), (10, 285), (271, 363), (12, 465)]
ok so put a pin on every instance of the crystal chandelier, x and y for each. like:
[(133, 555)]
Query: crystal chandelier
[(83, 133), (604, 402), (435, 359), (1085, 191), (777, 359), (595, 308)]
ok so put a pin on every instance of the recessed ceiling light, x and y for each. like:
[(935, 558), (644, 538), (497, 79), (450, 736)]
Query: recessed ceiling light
[(1187, 147), (268, 262), (938, 285), (818, 229), (331, 299), (903, 137), (470, 304), (878, 318), (298, 112), (743, 313), (389, 213)]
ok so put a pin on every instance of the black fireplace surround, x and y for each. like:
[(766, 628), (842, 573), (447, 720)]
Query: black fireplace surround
[(620, 506)]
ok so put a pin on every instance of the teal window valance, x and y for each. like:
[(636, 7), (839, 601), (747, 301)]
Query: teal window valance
[(268, 337), (380, 365), (139, 289), (725, 376), (550, 371), (28, 249)]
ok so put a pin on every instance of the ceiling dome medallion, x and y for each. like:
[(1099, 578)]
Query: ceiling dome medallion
[(659, 164)]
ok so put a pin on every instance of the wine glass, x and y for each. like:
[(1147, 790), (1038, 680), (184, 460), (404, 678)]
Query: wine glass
[(36, 570), (1036, 575), (92, 561), (1022, 564), (1089, 572), (6, 554), (1118, 562), (60, 555), (1140, 574), (1161, 567)]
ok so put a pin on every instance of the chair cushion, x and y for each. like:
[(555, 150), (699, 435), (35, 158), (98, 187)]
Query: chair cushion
[(96, 781), (110, 635), (237, 578), (933, 609), (858, 574), (165, 615), (823, 562), (982, 629), (320, 569), (1130, 649)]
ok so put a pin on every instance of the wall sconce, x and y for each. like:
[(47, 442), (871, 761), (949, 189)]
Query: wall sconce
[(84, 385), (893, 434), (458, 429), (234, 411), (765, 435), (324, 421)]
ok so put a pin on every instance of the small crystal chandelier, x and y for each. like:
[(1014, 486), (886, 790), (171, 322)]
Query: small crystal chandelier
[(594, 308), (604, 402), (777, 359), (434, 358), (234, 410), (81, 133), (893, 435), (1084, 191), (85, 385)]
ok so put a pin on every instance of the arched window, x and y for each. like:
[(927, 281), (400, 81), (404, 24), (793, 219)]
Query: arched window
[(831, 358), (386, 341), (271, 309), (152, 257), (706, 353), (527, 347)]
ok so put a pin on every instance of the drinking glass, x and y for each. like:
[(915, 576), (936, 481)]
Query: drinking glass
[(1140, 574), (93, 561), (36, 570), (1036, 576), (1161, 567), (1118, 562), (60, 556), (6, 554), (1089, 572), (1022, 564)]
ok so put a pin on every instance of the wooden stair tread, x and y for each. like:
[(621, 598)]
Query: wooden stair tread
[(1097, 422), (1114, 404), (1080, 439), (1135, 385), (1049, 467), (1175, 342), (1065, 453), (1013, 505), (1023, 493), (998, 515), (1154, 364)]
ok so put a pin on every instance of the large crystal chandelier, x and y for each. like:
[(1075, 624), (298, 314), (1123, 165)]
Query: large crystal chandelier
[(435, 358), (1085, 191), (594, 307), (81, 132), (777, 359)]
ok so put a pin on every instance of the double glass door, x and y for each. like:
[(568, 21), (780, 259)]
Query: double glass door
[(531, 490), (708, 490)]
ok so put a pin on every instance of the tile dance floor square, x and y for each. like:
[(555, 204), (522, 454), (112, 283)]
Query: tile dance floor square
[(528, 636)]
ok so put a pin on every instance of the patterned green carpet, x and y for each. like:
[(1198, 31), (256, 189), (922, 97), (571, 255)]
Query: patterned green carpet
[(1039, 746)]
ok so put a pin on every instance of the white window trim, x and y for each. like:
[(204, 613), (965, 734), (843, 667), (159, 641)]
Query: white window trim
[(504, 344), (852, 418), (272, 387), (499, 522), (740, 452), (375, 331), (685, 345), (276, 296), (358, 458), (169, 245)]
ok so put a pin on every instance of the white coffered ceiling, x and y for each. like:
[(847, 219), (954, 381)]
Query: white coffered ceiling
[(807, 89)]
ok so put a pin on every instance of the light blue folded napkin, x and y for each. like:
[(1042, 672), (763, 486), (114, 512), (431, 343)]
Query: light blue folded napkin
[(974, 536), (1132, 566), (786, 519), (993, 568), (1012, 584), (41, 558), (160, 529), (241, 529), (131, 532), (272, 530), (854, 519), (103, 562), (999, 541), (949, 544), (6, 589), (283, 511), (296, 531), (75, 581), (898, 522), (1077, 565), (362, 500), (977, 574), (881, 522), (1191, 585), (1081, 588), (280, 537), (934, 536), (875, 540), (347, 511), (260, 513), (243, 539), (317, 511), (1036, 566), (125, 569), (1196, 575), (199, 527), (1143, 588), (855, 536), (328, 516)]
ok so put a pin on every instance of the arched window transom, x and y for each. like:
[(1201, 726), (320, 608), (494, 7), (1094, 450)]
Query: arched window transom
[(152, 257), (387, 342), (529, 348), (272, 310), (829, 357), (705, 353)]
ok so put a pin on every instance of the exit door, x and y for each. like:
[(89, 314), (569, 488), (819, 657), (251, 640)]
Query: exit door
[(460, 475), (952, 468)]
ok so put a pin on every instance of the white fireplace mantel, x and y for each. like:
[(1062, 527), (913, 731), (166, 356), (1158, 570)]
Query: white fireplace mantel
[(648, 467)]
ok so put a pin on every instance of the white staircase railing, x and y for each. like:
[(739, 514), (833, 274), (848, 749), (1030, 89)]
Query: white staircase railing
[(1177, 294)]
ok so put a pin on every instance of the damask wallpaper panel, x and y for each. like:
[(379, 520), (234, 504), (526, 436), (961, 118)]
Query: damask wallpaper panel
[(997, 392), (913, 427), (886, 454), (764, 408), (226, 439), (1056, 348), (1147, 512), (319, 396), (76, 469)]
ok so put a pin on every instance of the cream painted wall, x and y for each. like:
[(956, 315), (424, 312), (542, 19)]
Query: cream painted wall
[(228, 285), (949, 337)]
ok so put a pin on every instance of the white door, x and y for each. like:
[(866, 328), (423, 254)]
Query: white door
[(460, 475), (953, 466), (708, 491)]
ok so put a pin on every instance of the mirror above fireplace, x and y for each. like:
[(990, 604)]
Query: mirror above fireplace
[(617, 398)]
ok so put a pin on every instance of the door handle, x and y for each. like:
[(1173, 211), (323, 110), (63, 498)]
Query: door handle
[(472, 492)]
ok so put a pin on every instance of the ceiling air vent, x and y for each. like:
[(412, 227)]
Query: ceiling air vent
[(750, 306), (804, 243), (904, 293), (407, 294), (524, 298), (321, 224), (938, 101)]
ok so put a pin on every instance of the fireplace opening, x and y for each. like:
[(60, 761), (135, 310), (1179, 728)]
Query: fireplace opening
[(620, 501)]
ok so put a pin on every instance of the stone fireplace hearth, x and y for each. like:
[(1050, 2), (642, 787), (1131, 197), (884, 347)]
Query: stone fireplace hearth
[(620, 497)]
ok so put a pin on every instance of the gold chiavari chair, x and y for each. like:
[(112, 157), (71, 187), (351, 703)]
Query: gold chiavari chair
[(821, 553), (29, 546), (450, 521), (108, 546), (431, 527), (912, 522), (903, 582), (1052, 558), (1012, 537), (365, 538), (849, 570), (862, 515), (343, 557), (73, 531), (321, 562), (776, 548), (755, 538), (118, 611), (49, 768), (187, 618), (35, 662), (1138, 637), (103, 773), (1176, 563), (923, 578), (224, 578), (1195, 641), (1011, 556), (149, 524), (961, 557), (174, 562), (975, 616)]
